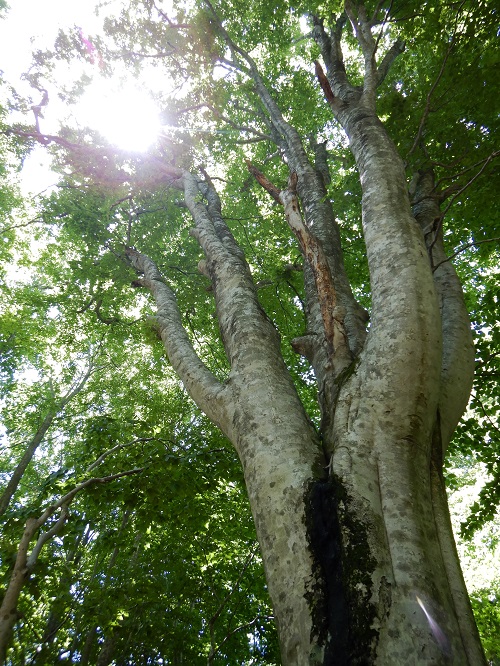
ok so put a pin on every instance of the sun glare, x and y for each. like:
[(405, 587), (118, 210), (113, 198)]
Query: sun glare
[(126, 116)]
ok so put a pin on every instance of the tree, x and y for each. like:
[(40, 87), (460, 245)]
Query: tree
[(349, 506)]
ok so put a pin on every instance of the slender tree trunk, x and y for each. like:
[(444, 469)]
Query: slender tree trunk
[(17, 475), (8, 610), (29, 452), (107, 651), (88, 646), (24, 564)]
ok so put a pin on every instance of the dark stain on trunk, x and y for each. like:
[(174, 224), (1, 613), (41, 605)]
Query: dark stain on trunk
[(342, 615)]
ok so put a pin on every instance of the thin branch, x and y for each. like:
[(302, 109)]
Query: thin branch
[(379, 6), (240, 627), (37, 438), (442, 215), (240, 128), (46, 536), (66, 499), (427, 108), (118, 447), (493, 155), (462, 248), (139, 54), (20, 226), (104, 158), (219, 610), (171, 24)]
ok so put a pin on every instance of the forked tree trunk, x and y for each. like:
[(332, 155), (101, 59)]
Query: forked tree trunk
[(352, 517), (354, 533), (352, 520)]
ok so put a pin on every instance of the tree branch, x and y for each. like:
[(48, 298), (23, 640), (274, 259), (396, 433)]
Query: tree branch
[(362, 29), (219, 610), (118, 447), (24, 564), (325, 85), (200, 383), (462, 248), (427, 108), (458, 193), (331, 51), (29, 452), (383, 69), (332, 314), (46, 536)]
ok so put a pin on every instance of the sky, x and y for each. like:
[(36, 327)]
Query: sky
[(120, 110)]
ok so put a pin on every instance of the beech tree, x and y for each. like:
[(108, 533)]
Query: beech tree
[(339, 382)]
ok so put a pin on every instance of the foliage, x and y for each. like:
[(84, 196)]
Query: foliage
[(164, 564), (487, 611)]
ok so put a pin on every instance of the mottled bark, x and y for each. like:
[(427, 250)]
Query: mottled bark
[(360, 561), (319, 217), (388, 432), (260, 412), (457, 363)]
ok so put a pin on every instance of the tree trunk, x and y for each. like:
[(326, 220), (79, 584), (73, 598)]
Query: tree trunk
[(352, 521), (37, 439), (8, 610), (107, 651), (88, 646)]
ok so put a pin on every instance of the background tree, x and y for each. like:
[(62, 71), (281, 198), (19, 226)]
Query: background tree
[(346, 491)]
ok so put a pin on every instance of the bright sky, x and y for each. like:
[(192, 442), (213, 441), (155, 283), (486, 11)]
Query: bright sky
[(122, 112)]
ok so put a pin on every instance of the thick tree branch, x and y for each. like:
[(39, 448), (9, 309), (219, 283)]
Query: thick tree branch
[(457, 365), (362, 28), (331, 51), (311, 189), (385, 65), (332, 314), (321, 159), (265, 182), (200, 383)]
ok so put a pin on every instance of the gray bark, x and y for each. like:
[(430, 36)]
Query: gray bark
[(353, 526)]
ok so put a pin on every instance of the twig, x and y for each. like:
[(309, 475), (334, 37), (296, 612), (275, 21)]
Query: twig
[(117, 448), (453, 199), (494, 154), (462, 248), (427, 108)]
